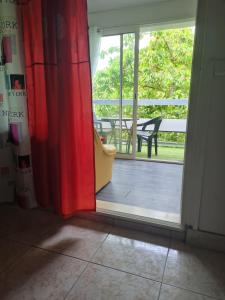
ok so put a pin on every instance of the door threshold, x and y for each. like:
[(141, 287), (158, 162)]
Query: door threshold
[(169, 221), (173, 162)]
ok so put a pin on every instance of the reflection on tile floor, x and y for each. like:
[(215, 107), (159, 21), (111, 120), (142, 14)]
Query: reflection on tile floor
[(43, 257)]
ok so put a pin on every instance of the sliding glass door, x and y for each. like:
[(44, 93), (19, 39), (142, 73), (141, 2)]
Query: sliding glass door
[(156, 66), (115, 90)]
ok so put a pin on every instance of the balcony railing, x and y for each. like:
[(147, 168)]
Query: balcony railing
[(170, 125), (143, 102)]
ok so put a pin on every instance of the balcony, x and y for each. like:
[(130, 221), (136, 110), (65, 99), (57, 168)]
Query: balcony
[(115, 121)]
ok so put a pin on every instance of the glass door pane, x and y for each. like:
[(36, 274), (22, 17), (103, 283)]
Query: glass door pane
[(127, 92), (165, 60), (113, 91)]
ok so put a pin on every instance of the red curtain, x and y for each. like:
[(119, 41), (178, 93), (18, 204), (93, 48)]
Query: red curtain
[(59, 103)]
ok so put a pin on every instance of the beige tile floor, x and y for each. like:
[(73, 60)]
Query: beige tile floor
[(43, 257)]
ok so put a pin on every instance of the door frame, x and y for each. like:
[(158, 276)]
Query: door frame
[(188, 215), (121, 31)]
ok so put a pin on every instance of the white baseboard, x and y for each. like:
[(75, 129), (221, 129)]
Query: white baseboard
[(205, 240)]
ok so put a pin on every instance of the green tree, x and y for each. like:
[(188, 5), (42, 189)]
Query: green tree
[(164, 73)]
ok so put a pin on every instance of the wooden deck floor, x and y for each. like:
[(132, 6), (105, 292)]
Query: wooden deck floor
[(150, 185)]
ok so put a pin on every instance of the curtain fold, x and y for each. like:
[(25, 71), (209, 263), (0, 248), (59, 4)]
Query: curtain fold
[(59, 103)]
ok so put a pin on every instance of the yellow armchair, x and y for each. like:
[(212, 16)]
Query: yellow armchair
[(104, 157)]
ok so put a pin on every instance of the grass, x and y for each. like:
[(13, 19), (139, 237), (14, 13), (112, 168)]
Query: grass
[(170, 153), (164, 153)]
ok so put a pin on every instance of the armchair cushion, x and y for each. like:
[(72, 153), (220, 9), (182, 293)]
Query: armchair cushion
[(104, 157), (109, 150)]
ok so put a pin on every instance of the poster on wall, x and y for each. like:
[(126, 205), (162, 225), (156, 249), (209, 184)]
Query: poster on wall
[(16, 177)]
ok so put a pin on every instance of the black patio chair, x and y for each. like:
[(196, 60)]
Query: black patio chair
[(149, 135)]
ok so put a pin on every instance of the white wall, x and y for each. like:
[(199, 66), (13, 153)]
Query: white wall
[(204, 176), (154, 13)]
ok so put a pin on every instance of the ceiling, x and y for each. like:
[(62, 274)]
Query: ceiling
[(103, 5)]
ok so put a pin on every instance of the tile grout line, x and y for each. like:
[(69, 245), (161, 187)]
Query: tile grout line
[(88, 262), (102, 242), (112, 268), (30, 246), (76, 281), (17, 261), (119, 270), (12, 264), (169, 246), (105, 266), (194, 292), (123, 271), (161, 283), (178, 287), (81, 259)]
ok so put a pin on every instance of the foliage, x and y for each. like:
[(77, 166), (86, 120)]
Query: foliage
[(164, 73)]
